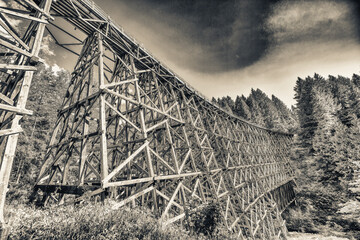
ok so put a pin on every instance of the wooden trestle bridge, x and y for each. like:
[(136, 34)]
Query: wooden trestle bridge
[(130, 129)]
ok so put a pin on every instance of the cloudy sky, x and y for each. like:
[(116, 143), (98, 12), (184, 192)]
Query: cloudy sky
[(227, 47)]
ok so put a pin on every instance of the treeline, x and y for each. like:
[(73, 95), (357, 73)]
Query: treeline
[(325, 122), (258, 108), (326, 153), (46, 95)]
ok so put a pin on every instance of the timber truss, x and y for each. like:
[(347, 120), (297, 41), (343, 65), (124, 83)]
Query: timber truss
[(132, 130)]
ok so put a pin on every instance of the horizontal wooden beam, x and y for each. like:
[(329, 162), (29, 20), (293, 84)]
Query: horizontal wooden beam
[(68, 189), (7, 132), (15, 48), (22, 15), (16, 110), (124, 163), (131, 198), (17, 67)]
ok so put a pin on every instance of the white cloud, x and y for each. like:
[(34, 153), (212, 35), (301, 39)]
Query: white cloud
[(54, 68), (13, 22), (45, 46), (309, 20)]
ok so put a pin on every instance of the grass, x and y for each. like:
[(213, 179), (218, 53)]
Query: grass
[(88, 221), (94, 221)]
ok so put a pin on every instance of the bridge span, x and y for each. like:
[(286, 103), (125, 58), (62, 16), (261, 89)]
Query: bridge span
[(132, 130)]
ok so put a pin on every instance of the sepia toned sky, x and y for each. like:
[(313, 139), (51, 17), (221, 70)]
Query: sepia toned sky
[(227, 47)]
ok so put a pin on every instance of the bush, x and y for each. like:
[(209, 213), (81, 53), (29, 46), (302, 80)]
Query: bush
[(204, 219), (100, 221), (88, 221)]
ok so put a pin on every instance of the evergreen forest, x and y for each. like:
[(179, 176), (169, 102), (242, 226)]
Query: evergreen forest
[(325, 122)]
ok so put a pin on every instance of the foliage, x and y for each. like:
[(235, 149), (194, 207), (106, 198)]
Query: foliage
[(88, 221), (260, 109), (326, 153), (204, 219), (46, 94), (101, 221)]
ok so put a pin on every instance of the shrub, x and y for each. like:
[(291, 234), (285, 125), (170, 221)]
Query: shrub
[(205, 220), (88, 221)]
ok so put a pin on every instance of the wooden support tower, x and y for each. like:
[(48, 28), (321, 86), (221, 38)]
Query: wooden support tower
[(20, 47), (130, 129)]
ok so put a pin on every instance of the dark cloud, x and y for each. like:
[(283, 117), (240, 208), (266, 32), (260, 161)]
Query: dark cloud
[(225, 35), (229, 34), (356, 15)]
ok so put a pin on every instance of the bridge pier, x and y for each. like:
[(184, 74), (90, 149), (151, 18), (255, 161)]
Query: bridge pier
[(18, 59), (130, 128)]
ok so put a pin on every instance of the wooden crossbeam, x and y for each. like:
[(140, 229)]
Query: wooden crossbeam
[(13, 34), (124, 163), (17, 67), (33, 5), (22, 15), (17, 110), (7, 132), (14, 48), (155, 141)]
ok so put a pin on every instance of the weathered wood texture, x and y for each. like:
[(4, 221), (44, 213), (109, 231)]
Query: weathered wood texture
[(19, 50), (130, 129)]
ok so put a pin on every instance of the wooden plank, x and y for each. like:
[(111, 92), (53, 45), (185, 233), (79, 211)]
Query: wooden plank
[(22, 15), (14, 35), (172, 199), (102, 114), (162, 160), (188, 154), (88, 194), (7, 132), (17, 67), (17, 110), (115, 84), (69, 189), (124, 163), (132, 197), (94, 170), (193, 194), (6, 99), (174, 219), (15, 48), (123, 116), (156, 125), (33, 5), (128, 182), (181, 175), (168, 199)]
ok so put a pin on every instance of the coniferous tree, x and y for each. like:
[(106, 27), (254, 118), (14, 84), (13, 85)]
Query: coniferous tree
[(326, 150), (242, 109), (46, 94), (254, 107), (287, 116)]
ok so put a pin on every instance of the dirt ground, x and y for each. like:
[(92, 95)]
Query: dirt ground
[(309, 236)]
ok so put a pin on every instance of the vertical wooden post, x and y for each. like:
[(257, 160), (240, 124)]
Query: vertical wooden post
[(9, 153), (84, 146), (143, 129), (102, 113)]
